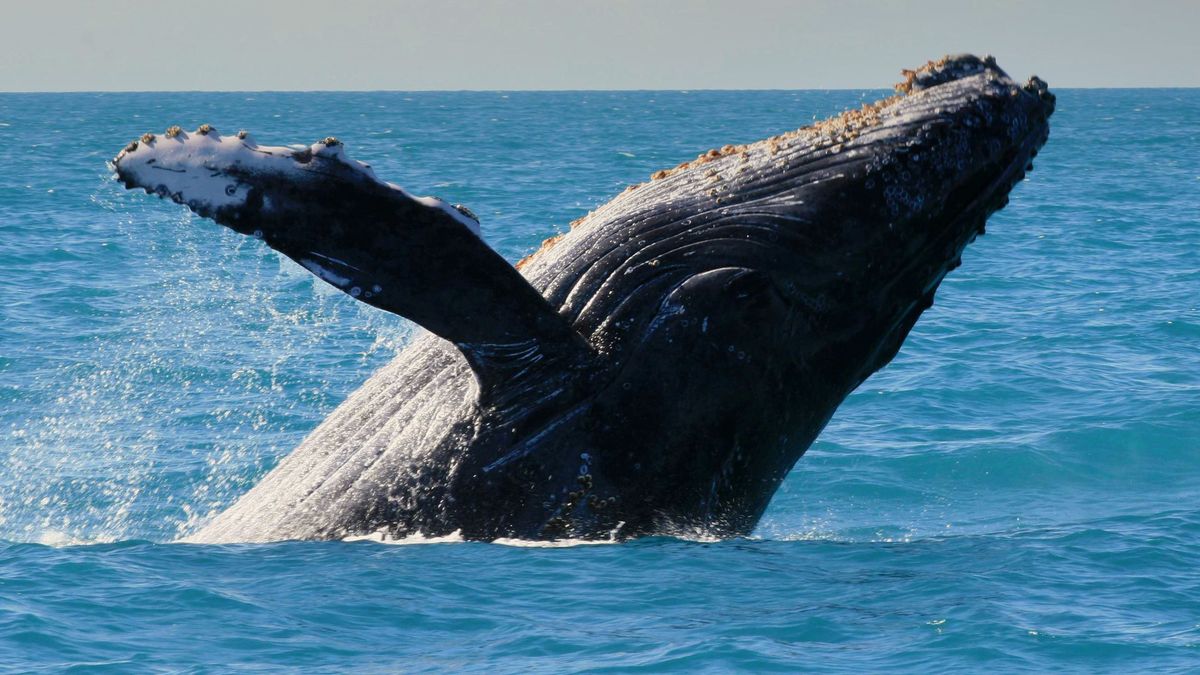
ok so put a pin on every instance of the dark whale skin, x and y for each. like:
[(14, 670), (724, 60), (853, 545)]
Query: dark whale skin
[(696, 333)]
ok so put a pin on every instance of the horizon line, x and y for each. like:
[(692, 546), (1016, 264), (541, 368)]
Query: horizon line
[(521, 91)]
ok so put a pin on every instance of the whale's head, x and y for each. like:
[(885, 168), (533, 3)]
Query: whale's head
[(912, 183), (826, 242)]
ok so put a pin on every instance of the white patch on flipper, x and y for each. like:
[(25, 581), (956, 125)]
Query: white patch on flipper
[(332, 277), (343, 263), (190, 165)]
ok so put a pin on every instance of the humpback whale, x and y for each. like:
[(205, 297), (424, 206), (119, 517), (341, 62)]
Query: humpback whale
[(657, 369)]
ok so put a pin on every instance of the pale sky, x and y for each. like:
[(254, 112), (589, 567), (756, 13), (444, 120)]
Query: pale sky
[(138, 45)]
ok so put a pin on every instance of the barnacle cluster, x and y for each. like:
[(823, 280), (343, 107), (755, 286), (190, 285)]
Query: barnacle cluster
[(830, 133)]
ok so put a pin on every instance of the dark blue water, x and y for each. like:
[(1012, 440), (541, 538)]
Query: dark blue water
[(1019, 489)]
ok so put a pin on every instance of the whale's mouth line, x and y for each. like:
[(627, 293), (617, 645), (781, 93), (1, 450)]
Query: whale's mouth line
[(954, 237), (986, 198), (984, 201)]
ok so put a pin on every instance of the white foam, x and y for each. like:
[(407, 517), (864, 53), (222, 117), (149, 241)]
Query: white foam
[(554, 543), (455, 537), (382, 537), (57, 539)]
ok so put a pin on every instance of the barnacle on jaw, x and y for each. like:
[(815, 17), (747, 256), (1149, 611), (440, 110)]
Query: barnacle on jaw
[(205, 129), (133, 145), (331, 141), (173, 131), (466, 212), (243, 134), (147, 137)]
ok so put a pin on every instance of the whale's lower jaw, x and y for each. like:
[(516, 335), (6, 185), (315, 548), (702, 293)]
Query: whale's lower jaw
[(697, 333)]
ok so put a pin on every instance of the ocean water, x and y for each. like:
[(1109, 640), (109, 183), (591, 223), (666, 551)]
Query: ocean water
[(1018, 490)]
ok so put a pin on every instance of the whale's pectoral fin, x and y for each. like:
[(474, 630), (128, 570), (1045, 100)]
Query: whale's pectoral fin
[(418, 257)]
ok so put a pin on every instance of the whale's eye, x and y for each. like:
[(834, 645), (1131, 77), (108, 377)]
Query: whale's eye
[(755, 292)]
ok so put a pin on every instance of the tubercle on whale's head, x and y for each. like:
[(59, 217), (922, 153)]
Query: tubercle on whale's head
[(919, 184), (943, 156)]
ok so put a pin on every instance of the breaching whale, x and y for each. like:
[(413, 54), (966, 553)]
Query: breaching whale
[(657, 369)]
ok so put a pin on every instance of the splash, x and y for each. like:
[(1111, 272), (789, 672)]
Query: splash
[(191, 361)]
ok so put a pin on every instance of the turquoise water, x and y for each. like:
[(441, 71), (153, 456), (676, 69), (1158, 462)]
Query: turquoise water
[(1019, 489)]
